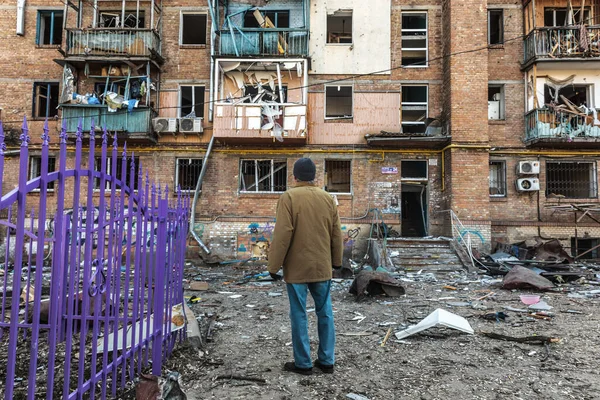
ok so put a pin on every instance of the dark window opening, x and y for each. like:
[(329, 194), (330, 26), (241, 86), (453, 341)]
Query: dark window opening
[(45, 100), (338, 102), (264, 94), (414, 39), (188, 172), (495, 27), (581, 246), (338, 175), (576, 94), (115, 87), (112, 19), (119, 169), (414, 109), (339, 27), (50, 27), (191, 100), (263, 176), (497, 179), (496, 102), (560, 17), (279, 19), (413, 169), (573, 180), (193, 29), (35, 168)]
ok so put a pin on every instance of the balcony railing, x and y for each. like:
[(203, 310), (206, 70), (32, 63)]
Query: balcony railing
[(545, 123), (112, 42), (136, 121), (264, 42), (562, 42)]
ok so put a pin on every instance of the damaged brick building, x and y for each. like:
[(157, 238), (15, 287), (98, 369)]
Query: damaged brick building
[(409, 109)]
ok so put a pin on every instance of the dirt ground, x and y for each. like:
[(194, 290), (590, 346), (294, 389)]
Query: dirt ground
[(251, 339)]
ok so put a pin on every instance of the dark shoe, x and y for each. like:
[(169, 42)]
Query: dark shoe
[(291, 367), (326, 369)]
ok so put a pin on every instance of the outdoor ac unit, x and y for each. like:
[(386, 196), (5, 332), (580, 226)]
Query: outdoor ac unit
[(528, 185), (162, 125), (528, 167), (190, 125)]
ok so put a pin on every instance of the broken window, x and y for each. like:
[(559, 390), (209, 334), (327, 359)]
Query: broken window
[(495, 102), (573, 179), (191, 99), (413, 169), (495, 27), (45, 99), (98, 168), (193, 29), (338, 175), (560, 16), (35, 168), (414, 39), (263, 176), (497, 179), (580, 246), (112, 19), (414, 109), (576, 94), (269, 95), (338, 102), (339, 27), (279, 18), (187, 172), (49, 28)]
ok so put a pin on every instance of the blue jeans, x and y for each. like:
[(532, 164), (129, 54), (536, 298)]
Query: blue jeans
[(320, 292)]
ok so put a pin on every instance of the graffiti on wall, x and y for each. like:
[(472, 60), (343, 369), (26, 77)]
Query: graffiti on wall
[(254, 242)]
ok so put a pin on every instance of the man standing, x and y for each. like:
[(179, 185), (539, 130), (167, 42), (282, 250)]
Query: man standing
[(307, 242)]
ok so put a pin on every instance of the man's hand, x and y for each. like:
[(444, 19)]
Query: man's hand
[(275, 276)]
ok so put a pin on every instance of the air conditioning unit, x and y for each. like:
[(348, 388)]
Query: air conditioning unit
[(162, 125), (527, 185), (190, 125), (528, 167)]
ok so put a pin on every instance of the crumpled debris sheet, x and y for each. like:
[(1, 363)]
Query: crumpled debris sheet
[(523, 278), (376, 283)]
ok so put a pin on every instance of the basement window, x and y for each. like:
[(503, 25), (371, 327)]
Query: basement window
[(263, 176), (338, 176), (414, 39), (572, 180), (497, 179), (192, 29), (187, 172), (580, 246), (339, 27), (496, 102), (49, 28), (45, 99), (414, 109), (413, 169), (495, 27), (35, 168), (338, 102), (191, 99)]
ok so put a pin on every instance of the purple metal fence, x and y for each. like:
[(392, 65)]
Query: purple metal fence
[(91, 285)]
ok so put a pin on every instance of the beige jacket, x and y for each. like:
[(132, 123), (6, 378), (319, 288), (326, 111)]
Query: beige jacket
[(307, 239)]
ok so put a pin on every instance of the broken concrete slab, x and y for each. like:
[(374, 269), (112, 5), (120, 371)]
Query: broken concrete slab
[(523, 278), (199, 286), (438, 317), (376, 283)]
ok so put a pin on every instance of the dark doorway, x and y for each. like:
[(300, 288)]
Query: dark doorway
[(414, 210)]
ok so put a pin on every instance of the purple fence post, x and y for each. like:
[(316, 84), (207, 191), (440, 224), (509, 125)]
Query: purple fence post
[(57, 264), (136, 271), (101, 239), (111, 266), (128, 243), (2, 150), (159, 286), (140, 238), (19, 241), (123, 177)]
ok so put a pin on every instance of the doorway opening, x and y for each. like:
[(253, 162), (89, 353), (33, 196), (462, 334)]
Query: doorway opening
[(414, 209)]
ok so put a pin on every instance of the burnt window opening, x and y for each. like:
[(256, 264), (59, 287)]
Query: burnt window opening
[(496, 103), (119, 172), (339, 27), (497, 179), (495, 27), (49, 28), (112, 19), (45, 99), (414, 108), (581, 246), (413, 169), (35, 168), (193, 29), (338, 176), (554, 17), (266, 93), (279, 18), (268, 176), (187, 173), (572, 180), (576, 94), (414, 39), (338, 102), (191, 98)]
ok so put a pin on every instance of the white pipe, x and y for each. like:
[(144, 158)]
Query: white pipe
[(20, 17), (197, 195), (213, 36)]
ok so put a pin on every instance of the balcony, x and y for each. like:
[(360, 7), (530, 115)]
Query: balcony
[(111, 42), (275, 42), (241, 124), (553, 43), (561, 129), (132, 126)]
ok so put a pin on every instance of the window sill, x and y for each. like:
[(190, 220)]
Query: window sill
[(415, 66), (496, 46), (340, 44), (342, 196), (43, 118), (496, 122), (339, 120), (192, 46), (263, 195), (499, 199), (48, 46)]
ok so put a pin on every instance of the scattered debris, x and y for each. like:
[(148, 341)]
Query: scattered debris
[(526, 339), (375, 283), (438, 317), (529, 299), (523, 278), (241, 378), (355, 396), (195, 285), (540, 306)]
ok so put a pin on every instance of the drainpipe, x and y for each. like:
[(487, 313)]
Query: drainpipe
[(197, 194), (20, 17), (213, 35)]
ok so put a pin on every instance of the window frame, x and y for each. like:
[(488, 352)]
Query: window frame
[(179, 98), (592, 183), (503, 182), (340, 12), (502, 116), (256, 175), (351, 106), (413, 103), (501, 27), (181, 27), (414, 179), (264, 13), (39, 34), (128, 13), (34, 108), (426, 30), (325, 176), (38, 161), (177, 172)]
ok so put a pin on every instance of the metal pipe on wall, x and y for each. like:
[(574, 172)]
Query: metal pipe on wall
[(20, 17), (197, 195)]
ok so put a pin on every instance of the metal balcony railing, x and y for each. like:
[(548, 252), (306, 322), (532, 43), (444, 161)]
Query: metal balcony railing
[(545, 123), (112, 42), (264, 42), (561, 42)]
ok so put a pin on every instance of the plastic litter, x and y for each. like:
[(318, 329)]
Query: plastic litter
[(438, 317)]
